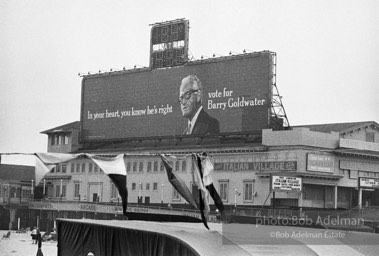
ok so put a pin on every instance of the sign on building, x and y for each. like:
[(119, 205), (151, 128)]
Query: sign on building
[(368, 182), (320, 162), (256, 166), (285, 183)]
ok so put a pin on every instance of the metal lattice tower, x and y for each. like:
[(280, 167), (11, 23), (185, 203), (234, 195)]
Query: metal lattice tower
[(278, 114)]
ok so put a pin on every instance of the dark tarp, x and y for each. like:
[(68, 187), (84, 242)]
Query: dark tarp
[(75, 238)]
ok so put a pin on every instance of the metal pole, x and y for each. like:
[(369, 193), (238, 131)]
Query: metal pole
[(359, 198), (235, 199), (44, 187), (273, 202)]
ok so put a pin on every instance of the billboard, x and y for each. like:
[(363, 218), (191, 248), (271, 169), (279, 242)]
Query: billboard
[(236, 97)]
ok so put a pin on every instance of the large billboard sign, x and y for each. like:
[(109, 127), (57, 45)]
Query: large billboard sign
[(235, 98)]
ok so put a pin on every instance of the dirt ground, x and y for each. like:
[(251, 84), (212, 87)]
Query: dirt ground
[(20, 244)]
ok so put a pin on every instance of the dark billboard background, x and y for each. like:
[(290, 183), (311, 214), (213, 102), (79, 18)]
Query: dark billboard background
[(237, 92)]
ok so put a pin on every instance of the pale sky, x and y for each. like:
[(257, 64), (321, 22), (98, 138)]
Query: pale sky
[(327, 54)]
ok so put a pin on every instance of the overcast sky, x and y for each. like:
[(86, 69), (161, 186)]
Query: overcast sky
[(327, 54)]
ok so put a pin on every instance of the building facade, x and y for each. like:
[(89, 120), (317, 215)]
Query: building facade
[(15, 194), (330, 163)]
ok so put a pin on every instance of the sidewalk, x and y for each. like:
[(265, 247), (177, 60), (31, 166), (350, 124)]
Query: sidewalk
[(20, 244)]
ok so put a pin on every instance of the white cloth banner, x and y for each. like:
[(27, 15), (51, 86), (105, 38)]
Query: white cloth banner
[(114, 165), (207, 168), (41, 170), (45, 162)]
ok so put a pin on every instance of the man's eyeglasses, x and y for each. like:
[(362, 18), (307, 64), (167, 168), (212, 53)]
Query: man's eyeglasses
[(187, 95)]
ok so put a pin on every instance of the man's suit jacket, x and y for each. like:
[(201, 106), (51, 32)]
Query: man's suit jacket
[(205, 124)]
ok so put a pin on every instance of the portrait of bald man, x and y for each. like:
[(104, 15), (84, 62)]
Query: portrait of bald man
[(190, 99)]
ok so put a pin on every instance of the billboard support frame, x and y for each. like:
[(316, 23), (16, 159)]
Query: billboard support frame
[(277, 109)]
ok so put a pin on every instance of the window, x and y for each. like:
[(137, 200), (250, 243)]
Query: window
[(248, 191), (141, 167), (177, 164), (128, 167), (224, 190), (76, 189), (61, 139), (155, 166), (83, 167), (162, 167), (77, 167), (66, 139), (175, 195), (57, 191), (64, 190), (133, 186), (149, 166), (58, 168), (155, 186), (52, 139), (64, 167), (184, 166), (90, 167), (96, 168), (147, 186), (114, 192), (56, 138), (72, 167), (135, 167)]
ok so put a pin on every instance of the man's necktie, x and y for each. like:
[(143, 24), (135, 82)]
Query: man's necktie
[(189, 128)]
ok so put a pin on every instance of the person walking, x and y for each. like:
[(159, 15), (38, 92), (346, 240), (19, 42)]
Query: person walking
[(34, 235)]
